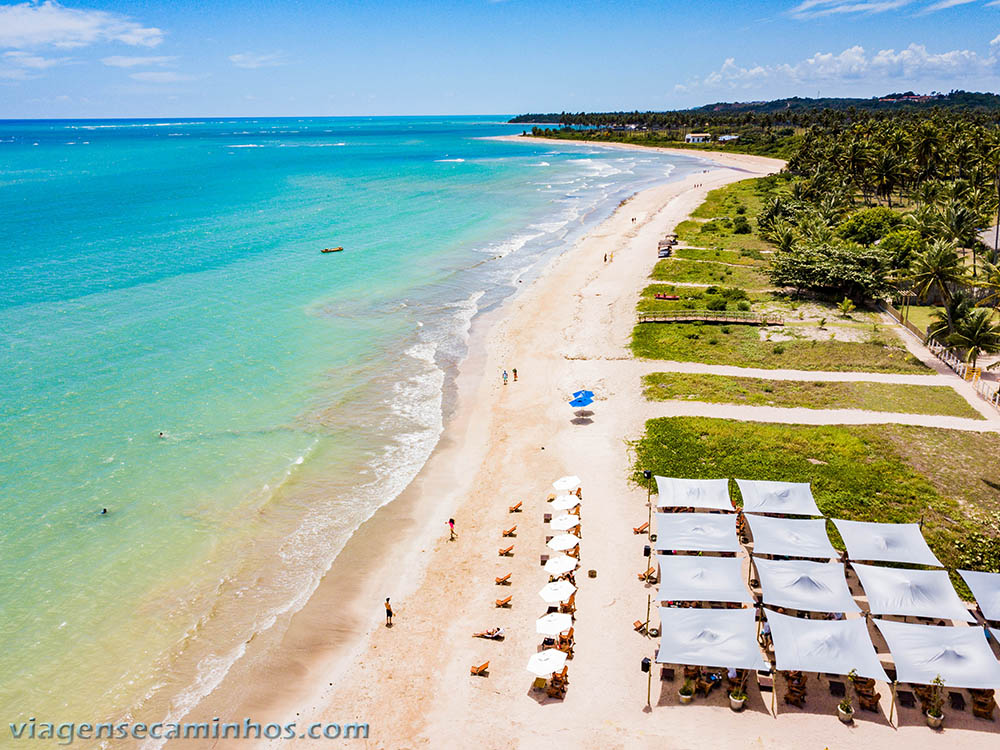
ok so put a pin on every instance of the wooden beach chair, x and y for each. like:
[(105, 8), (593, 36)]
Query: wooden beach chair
[(481, 670), (506, 552), (504, 580), (640, 529), (510, 531), (639, 626), (505, 602), (516, 508)]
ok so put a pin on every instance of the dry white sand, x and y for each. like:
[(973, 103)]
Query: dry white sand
[(336, 662)]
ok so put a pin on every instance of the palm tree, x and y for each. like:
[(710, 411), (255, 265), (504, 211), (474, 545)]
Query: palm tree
[(938, 268), (958, 307), (888, 172), (976, 333)]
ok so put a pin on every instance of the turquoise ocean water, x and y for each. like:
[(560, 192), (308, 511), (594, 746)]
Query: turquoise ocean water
[(166, 276)]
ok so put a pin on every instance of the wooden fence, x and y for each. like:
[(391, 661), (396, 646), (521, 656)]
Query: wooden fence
[(711, 316)]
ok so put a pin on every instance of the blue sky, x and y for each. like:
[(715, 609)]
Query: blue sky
[(153, 58)]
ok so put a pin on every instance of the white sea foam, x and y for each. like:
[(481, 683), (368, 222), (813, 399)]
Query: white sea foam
[(447, 160)]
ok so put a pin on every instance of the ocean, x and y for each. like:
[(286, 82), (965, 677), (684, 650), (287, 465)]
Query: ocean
[(165, 276)]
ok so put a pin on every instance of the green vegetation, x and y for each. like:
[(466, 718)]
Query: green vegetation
[(732, 257), (742, 345), (886, 473), (694, 298), (720, 389), (746, 197), (699, 272)]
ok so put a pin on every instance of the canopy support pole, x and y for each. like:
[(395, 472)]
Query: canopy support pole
[(774, 695), (892, 709), (648, 601)]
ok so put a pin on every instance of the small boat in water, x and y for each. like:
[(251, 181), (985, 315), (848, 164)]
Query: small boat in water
[(331, 249)]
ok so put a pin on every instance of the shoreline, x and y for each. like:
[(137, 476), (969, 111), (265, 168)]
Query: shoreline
[(301, 664)]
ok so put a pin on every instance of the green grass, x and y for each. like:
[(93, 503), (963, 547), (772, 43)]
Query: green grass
[(693, 298), (720, 389), (741, 345), (721, 256), (922, 315), (718, 233), (747, 194), (695, 272), (884, 473)]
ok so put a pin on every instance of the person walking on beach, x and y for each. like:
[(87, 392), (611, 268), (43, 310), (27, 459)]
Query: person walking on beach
[(388, 613), (505, 377), (451, 528), (605, 257), (514, 372)]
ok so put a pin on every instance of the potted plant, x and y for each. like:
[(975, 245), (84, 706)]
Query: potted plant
[(686, 692), (845, 710), (738, 697), (935, 716)]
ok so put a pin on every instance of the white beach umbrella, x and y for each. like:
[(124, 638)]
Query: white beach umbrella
[(557, 591), (544, 663), (566, 484), (554, 623), (559, 564), (565, 523), (563, 542), (565, 502)]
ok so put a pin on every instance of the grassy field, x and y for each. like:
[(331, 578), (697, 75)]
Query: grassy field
[(742, 346), (885, 473), (696, 272), (695, 298), (721, 389), (748, 258), (748, 195), (718, 233)]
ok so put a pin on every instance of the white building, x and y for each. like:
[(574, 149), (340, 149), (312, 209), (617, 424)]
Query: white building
[(697, 137)]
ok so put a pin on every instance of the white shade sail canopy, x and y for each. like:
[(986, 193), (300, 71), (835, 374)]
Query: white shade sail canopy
[(794, 498), (961, 656), (801, 584), (711, 494), (904, 591), (544, 663), (709, 638), (564, 523), (834, 646), (695, 578), (886, 542), (557, 591), (565, 502), (566, 484), (986, 588), (557, 565), (697, 532), (791, 537), (563, 542), (553, 623)]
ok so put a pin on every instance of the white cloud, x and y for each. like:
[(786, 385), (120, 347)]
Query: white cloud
[(161, 76), (123, 61), (945, 4), (818, 8), (16, 65), (33, 24), (252, 60), (855, 64)]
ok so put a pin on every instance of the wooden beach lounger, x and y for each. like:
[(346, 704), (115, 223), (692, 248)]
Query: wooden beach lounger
[(640, 529), (510, 531), (504, 580), (649, 575), (505, 602), (481, 670), (639, 626), (506, 552), (515, 508)]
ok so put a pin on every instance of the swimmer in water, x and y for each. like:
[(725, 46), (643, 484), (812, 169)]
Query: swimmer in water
[(104, 511), (162, 436)]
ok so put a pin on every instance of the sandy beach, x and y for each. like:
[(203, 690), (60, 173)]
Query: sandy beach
[(335, 661)]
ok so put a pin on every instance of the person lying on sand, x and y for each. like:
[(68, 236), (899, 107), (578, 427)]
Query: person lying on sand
[(497, 634)]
